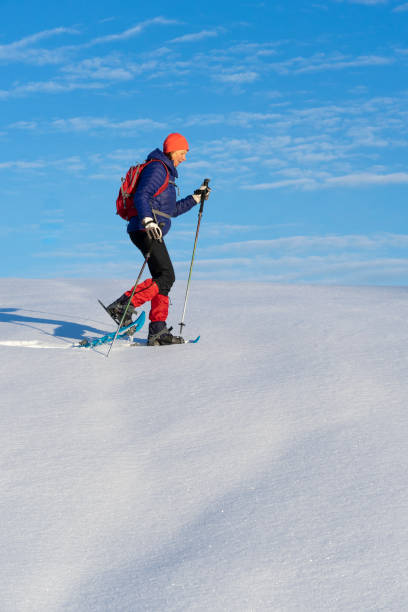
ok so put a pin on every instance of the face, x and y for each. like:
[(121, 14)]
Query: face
[(178, 157)]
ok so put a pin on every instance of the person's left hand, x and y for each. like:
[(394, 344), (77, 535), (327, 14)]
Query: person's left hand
[(203, 190)]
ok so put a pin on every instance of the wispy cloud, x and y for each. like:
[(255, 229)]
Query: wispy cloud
[(237, 66), (34, 38), (72, 163), (365, 178), (362, 179), (324, 259), (366, 2), (328, 259), (296, 244), (401, 8), (313, 147), (25, 50), (87, 124), (49, 87), (23, 125), (341, 269), (84, 124), (237, 118), (196, 36), (237, 78), (305, 149), (133, 31), (110, 68), (22, 164), (320, 62), (300, 182)]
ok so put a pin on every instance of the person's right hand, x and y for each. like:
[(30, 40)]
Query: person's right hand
[(153, 230)]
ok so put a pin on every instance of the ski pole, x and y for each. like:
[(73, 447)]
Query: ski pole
[(130, 299), (200, 214)]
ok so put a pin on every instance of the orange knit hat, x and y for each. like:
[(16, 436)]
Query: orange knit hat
[(175, 142)]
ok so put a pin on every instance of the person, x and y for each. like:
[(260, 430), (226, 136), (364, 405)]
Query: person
[(146, 231)]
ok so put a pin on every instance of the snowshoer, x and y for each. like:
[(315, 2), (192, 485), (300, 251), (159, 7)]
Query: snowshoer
[(147, 229)]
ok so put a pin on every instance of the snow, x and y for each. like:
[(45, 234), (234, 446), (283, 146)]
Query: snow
[(264, 468)]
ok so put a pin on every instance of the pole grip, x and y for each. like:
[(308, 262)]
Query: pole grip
[(205, 182)]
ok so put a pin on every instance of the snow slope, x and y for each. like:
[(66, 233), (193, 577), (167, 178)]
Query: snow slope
[(264, 468)]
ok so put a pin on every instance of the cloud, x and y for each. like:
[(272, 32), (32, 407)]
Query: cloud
[(87, 124), (369, 2), (345, 269), (81, 251), (402, 8), (322, 62), (72, 163), (327, 259), (49, 87), (311, 147), (365, 2), (195, 37), (362, 179), (294, 244), (236, 118), (237, 78), (23, 125), (300, 182), (366, 178), (132, 32), (237, 66), (25, 49), (21, 50), (84, 124), (22, 165), (337, 267), (34, 38), (109, 68)]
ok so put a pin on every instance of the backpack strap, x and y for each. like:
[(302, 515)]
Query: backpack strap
[(133, 183), (160, 213), (167, 179)]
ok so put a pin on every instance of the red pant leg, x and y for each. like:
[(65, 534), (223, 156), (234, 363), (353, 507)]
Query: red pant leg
[(159, 308), (145, 292)]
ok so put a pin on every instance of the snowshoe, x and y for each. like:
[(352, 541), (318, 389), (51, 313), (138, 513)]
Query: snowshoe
[(163, 337), (116, 310)]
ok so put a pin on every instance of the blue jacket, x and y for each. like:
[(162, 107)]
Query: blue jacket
[(151, 179)]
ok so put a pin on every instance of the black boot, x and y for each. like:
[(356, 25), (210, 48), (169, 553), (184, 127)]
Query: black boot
[(118, 307), (159, 335)]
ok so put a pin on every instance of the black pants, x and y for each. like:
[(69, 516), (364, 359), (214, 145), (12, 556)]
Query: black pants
[(159, 262)]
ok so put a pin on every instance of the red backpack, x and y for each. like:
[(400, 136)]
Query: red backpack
[(125, 207)]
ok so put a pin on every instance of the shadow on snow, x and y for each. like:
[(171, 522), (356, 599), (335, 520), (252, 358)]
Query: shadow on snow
[(62, 329)]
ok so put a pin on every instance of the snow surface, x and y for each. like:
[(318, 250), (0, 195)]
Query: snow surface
[(264, 468)]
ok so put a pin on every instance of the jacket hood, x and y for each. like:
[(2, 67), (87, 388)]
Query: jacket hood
[(158, 154)]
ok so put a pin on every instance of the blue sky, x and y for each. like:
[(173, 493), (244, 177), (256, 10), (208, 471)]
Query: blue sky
[(297, 111)]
